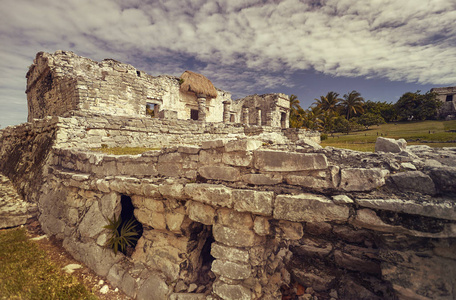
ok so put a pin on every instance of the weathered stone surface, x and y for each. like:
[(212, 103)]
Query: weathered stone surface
[(253, 201), (187, 296), (310, 182), (235, 219), (213, 194), (308, 208), (154, 288), (415, 181), (390, 145), (239, 159), (289, 230), (110, 204), (342, 199), (208, 157), (231, 292), (172, 190), (262, 179), (231, 270), (444, 210), (243, 145), (261, 226), (213, 144), (319, 281), (281, 161), (229, 253), (358, 179), (174, 221), (219, 173), (93, 222), (444, 178), (236, 237), (200, 212), (353, 263), (151, 218), (313, 247), (170, 169), (189, 149)]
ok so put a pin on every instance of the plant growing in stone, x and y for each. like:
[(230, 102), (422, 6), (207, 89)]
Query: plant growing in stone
[(123, 234)]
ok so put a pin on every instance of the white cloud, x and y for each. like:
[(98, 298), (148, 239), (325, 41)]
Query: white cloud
[(242, 45)]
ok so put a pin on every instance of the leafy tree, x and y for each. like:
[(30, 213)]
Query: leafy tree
[(415, 106), (295, 112), (386, 110), (353, 104), (369, 119), (294, 102)]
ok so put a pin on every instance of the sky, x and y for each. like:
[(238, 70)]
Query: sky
[(380, 48)]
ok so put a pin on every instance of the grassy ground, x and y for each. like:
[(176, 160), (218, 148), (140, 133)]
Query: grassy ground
[(431, 133), (26, 272)]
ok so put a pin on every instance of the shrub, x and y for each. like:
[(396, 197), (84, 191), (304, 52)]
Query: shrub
[(123, 234)]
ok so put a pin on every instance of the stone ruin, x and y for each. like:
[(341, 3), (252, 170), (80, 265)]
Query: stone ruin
[(236, 211), (446, 95)]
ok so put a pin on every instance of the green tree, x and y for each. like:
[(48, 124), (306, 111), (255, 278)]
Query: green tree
[(329, 102), (416, 106), (369, 119), (352, 104), (295, 112)]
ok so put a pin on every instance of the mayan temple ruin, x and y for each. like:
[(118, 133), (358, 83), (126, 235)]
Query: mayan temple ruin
[(230, 203)]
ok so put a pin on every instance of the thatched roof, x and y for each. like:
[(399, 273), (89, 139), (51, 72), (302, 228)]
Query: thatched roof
[(198, 84)]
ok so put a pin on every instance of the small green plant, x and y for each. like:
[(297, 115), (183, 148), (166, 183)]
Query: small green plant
[(181, 81), (123, 234)]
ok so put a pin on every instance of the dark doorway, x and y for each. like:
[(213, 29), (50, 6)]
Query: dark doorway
[(126, 216), (232, 118), (449, 98), (283, 120), (194, 114)]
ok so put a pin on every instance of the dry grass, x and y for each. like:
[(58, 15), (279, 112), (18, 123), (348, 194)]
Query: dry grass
[(26, 272)]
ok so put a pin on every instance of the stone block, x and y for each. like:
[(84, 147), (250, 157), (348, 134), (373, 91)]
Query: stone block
[(283, 161), (414, 181), (93, 222), (310, 182), (231, 218), (444, 178), (229, 253), (150, 218), (170, 157), (361, 180), (443, 210), (236, 237), (231, 270), (313, 247), (253, 201), (342, 199), (243, 145), (154, 288), (319, 280), (308, 208), (213, 144), (172, 191), (174, 221), (390, 145), (170, 169), (353, 263), (231, 292), (289, 230), (213, 194), (202, 213), (209, 157), (261, 226), (188, 149), (219, 173), (154, 205), (262, 179), (150, 190), (167, 114), (238, 158)]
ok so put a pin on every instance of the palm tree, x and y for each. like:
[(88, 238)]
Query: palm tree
[(328, 102), (353, 103), (294, 103)]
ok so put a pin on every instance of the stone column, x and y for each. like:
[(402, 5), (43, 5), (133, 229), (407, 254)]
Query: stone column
[(269, 118), (258, 120), (202, 108), (245, 115), (226, 111)]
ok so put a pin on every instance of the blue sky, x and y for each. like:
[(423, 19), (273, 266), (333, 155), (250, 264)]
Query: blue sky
[(381, 48)]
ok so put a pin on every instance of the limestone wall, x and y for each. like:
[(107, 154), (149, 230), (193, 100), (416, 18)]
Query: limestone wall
[(350, 224), (63, 82)]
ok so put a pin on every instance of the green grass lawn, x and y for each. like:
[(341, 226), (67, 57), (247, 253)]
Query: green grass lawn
[(26, 272), (431, 133)]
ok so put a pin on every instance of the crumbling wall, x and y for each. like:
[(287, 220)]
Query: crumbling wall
[(60, 83), (343, 223)]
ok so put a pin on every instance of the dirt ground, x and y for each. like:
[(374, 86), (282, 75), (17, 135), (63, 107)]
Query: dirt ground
[(62, 258)]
